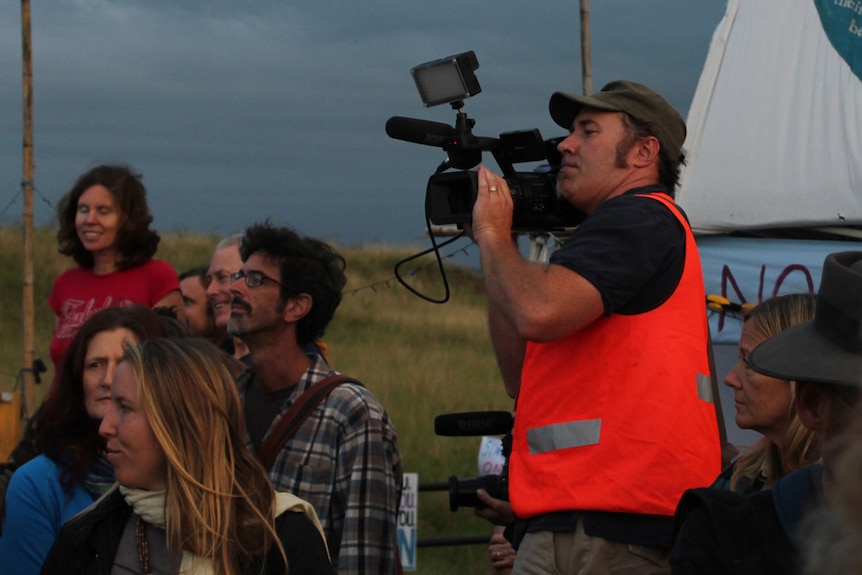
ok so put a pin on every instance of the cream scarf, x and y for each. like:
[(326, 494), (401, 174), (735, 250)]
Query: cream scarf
[(150, 506)]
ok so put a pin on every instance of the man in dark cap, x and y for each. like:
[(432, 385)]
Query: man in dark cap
[(722, 532), (605, 347)]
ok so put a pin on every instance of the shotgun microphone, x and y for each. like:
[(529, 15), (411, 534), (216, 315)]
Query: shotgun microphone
[(419, 131), (473, 423)]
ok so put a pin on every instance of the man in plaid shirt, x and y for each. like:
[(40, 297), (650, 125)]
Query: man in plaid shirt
[(344, 458)]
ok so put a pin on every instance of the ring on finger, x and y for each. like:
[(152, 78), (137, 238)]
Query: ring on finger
[(492, 189)]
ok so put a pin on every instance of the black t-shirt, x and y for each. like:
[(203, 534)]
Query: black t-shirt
[(631, 248), (261, 408)]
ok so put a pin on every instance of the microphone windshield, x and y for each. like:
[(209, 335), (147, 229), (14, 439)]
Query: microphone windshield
[(473, 423), (419, 131)]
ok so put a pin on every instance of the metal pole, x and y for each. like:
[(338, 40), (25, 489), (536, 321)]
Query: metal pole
[(586, 54), (27, 184)]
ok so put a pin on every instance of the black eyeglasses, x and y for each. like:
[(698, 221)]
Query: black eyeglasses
[(253, 279)]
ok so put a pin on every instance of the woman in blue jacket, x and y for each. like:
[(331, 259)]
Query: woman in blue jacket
[(71, 470)]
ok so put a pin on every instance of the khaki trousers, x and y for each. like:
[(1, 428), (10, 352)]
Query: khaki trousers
[(576, 553)]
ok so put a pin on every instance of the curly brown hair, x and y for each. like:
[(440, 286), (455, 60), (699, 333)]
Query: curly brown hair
[(136, 242), (307, 265)]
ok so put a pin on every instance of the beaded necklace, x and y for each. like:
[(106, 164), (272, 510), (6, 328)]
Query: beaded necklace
[(143, 546)]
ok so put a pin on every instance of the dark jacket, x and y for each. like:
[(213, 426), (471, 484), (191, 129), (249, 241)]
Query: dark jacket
[(88, 543), (720, 532)]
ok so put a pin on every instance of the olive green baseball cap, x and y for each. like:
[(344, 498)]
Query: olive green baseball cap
[(632, 98)]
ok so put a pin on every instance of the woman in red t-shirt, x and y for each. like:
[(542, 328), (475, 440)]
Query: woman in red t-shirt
[(105, 226)]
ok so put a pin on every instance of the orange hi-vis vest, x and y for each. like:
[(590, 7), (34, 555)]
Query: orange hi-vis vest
[(618, 416)]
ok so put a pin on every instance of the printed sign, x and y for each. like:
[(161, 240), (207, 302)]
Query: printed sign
[(407, 521), (842, 22), (750, 270), (491, 460)]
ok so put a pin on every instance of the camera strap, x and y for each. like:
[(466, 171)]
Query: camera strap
[(296, 415)]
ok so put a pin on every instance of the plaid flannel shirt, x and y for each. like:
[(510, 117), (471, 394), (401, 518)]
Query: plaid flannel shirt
[(344, 460)]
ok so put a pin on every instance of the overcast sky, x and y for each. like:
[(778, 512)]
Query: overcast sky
[(235, 111)]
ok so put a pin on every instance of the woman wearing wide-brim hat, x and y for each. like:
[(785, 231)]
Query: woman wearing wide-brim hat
[(717, 531)]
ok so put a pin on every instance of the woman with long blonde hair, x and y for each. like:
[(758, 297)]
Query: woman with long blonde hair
[(192, 498), (766, 404)]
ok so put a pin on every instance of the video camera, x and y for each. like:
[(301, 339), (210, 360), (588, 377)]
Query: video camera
[(462, 492), (450, 196)]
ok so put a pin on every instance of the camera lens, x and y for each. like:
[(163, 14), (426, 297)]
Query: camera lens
[(462, 493)]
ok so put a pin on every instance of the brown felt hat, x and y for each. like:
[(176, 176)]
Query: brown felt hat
[(632, 98), (827, 349)]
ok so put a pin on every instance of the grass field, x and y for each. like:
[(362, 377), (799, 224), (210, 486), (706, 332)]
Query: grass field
[(419, 358)]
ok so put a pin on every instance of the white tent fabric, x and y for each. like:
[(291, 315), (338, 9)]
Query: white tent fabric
[(775, 126)]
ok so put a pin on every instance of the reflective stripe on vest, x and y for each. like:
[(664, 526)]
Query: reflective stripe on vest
[(704, 387), (564, 435), (588, 432)]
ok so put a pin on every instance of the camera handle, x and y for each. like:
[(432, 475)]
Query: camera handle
[(507, 445)]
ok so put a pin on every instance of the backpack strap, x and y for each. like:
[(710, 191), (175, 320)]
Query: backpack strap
[(296, 415)]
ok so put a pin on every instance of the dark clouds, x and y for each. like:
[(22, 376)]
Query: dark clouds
[(237, 111)]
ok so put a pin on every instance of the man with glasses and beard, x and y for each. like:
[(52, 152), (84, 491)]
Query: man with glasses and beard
[(344, 457)]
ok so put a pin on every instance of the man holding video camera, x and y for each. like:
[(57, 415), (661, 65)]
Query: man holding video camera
[(605, 347)]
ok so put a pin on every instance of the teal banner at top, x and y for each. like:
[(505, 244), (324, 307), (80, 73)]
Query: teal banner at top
[(842, 22)]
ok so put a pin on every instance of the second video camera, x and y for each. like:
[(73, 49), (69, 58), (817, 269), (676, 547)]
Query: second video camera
[(462, 492)]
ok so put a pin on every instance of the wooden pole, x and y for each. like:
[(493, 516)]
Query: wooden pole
[(586, 54), (27, 184)]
